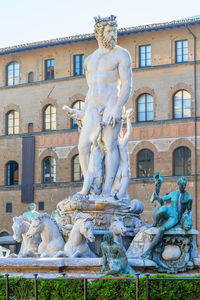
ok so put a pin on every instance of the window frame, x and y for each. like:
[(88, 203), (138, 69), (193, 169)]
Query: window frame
[(9, 208), (14, 128), (49, 75), (51, 174), (146, 106), (146, 64), (80, 66), (41, 205), (73, 169), (182, 104), (8, 176), (52, 123), (182, 51), (146, 162), (185, 161), (14, 76)]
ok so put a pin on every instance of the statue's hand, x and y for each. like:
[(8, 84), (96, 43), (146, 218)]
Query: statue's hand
[(154, 197), (103, 269), (114, 117), (65, 107), (68, 109)]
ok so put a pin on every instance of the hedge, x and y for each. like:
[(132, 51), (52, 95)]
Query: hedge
[(98, 289)]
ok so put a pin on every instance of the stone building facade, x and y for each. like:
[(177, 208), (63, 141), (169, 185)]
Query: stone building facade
[(38, 143)]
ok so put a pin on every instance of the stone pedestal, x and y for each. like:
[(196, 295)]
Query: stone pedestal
[(102, 209), (174, 254)]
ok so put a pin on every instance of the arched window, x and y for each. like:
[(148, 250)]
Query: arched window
[(77, 105), (12, 173), (49, 169), (182, 105), (12, 74), (145, 108), (145, 163), (182, 161), (12, 122), (49, 116), (76, 169), (30, 77)]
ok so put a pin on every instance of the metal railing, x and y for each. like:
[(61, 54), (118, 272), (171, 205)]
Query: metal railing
[(36, 279), (136, 278)]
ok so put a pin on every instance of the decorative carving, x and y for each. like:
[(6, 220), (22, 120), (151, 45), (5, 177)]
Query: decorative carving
[(99, 220), (29, 246), (80, 235), (173, 254), (52, 240)]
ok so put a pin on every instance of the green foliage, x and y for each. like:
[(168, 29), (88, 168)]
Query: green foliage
[(175, 290), (101, 289), (20, 289)]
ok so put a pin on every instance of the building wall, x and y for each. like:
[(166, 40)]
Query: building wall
[(162, 136)]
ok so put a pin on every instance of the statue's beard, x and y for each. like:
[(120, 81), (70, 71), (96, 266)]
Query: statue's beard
[(110, 44)]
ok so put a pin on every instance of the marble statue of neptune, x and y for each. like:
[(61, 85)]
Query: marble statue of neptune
[(108, 74)]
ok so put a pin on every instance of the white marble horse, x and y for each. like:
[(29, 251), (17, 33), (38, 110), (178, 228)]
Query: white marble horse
[(80, 235), (118, 229), (29, 246), (52, 240)]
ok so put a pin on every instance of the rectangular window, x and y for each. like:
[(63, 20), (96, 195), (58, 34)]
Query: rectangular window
[(8, 207), (145, 56), (41, 205), (181, 51), (49, 69), (78, 65), (30, 127)]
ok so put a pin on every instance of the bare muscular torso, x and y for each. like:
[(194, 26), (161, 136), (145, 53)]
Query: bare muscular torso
[(103, 78)]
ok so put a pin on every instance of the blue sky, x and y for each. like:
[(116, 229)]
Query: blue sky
[(24, 21)]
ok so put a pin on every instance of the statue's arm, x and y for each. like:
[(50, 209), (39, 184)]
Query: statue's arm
[(125, 79), (74, 113), (125, 75), (161, 200), (189, 206), (166, 197)]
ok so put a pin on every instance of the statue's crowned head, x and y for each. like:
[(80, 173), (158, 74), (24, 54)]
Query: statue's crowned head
[(105, 30)]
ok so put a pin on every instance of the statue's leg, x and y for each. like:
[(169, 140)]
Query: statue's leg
[(161, 214), (114, 267), (84, 152), (76, 254), (111, 156), (114, 271), (171, 222), (123, 186), (91, 122), (88, 180)]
